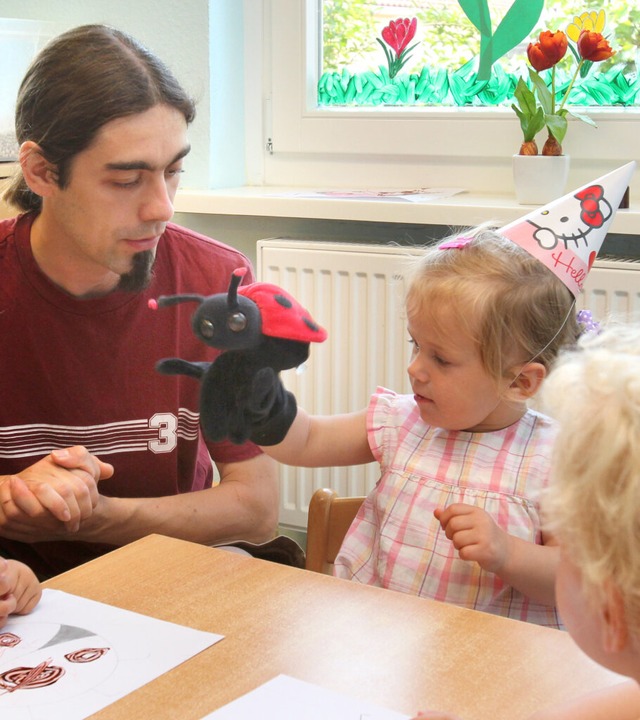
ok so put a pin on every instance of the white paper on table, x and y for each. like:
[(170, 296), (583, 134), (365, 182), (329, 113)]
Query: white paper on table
[(285, 698), (83, 655)]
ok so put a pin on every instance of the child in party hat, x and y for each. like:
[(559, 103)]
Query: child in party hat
[(486, 319), (592, 506)]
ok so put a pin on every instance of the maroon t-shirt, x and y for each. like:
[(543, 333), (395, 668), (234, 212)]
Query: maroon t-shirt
[(82, 372)]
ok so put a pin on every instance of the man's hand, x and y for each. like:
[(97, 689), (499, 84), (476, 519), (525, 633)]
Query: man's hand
[(53, 495)]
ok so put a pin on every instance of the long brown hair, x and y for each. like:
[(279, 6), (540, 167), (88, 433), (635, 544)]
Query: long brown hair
[(80, 81)]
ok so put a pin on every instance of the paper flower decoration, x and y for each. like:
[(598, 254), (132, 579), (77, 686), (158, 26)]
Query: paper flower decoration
[(397, 35), (541, 107)]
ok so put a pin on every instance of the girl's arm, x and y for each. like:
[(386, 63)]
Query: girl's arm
[(527, 567), (324, 441), (531, 568)]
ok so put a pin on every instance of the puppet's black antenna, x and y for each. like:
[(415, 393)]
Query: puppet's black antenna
[(165, 300), (232, 293)]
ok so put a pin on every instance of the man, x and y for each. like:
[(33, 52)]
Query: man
[(102, 126)]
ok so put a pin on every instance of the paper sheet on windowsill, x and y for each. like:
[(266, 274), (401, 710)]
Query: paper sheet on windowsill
[(285, 698), (415, 195)]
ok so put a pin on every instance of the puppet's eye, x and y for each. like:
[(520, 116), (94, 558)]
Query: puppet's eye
[(237, 322), (207, 328)]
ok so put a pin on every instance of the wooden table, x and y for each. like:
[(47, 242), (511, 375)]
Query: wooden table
[(396, 650)]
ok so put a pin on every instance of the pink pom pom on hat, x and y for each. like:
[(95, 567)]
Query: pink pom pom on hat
[(566, 235)]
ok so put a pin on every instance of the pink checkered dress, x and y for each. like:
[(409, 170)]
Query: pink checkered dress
[(395, 541)]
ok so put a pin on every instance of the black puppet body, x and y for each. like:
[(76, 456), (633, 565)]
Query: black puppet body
[(261, 330)]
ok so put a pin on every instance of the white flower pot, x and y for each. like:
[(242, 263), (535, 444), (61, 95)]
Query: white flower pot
[(539, 179)]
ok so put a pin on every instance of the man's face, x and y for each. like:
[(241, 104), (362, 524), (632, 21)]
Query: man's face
[(106, 223)]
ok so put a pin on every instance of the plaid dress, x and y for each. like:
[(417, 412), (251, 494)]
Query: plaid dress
[(395, 541)]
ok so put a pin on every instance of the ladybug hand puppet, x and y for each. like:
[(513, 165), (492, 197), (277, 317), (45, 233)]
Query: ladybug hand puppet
[(261, 330)]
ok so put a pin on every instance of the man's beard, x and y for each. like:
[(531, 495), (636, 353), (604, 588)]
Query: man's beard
[(139, 277)]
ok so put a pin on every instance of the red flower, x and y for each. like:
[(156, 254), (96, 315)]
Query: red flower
[(549, 50), (592, 46), (399, 33)]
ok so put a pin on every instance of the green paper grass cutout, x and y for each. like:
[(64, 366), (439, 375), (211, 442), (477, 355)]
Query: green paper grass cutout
[(464, 88)]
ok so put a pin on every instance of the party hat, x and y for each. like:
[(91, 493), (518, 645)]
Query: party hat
[(567, 234)]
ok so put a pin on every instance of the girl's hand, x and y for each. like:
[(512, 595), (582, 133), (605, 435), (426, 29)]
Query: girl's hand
[(20, 590), (435, 715), (475, 535)]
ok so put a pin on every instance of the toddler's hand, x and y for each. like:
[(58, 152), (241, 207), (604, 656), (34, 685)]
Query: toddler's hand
[(20, 590), (475, 535), (435, 715)]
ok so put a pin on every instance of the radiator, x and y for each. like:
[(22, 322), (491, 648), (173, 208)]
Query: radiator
[(356, 292)]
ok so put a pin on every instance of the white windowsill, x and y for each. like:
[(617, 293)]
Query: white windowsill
[(464, 209)]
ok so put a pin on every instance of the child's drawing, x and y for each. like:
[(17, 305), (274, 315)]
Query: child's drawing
[(71, 656)]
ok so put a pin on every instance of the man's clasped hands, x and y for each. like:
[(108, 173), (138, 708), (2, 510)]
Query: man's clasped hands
[(53, 496)]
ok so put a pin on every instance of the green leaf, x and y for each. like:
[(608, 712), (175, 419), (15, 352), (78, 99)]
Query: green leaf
[(387, 52), (584, 118), (543, 91), (585, 67), (536, 124), (406, 51), (557, 125), (478, 12), (531, 124), (515, 26), (525, 97), (575, 52)]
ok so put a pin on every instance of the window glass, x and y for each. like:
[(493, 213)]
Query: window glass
[(399, 145), (441, 63)]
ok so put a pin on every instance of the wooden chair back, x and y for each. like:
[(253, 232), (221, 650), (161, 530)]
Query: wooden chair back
[(328, 521)]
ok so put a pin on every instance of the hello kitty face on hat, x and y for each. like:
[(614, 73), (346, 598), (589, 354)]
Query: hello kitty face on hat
[(567, 234), (573, 226)]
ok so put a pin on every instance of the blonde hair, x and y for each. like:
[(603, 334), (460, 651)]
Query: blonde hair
[(509, 303), (593, 503)]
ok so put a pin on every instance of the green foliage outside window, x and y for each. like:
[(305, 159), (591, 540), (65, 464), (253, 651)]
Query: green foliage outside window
[(350, 77)]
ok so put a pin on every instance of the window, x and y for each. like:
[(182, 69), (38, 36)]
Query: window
[(21, 40), (393, 145), (440, 63)]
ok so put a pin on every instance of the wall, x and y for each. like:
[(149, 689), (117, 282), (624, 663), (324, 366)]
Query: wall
[(244, 231), (202, 41), (176, 31)]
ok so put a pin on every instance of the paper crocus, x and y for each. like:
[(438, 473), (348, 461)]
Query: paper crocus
[(397, 35), (540, 107)]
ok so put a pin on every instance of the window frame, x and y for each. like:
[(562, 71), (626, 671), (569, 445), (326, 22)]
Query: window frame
[(297, 128), (296, 132)]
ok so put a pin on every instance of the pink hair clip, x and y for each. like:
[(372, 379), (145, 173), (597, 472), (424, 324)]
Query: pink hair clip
[(456, 244)]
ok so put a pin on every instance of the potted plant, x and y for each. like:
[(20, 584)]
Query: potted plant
[(540, 178)]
